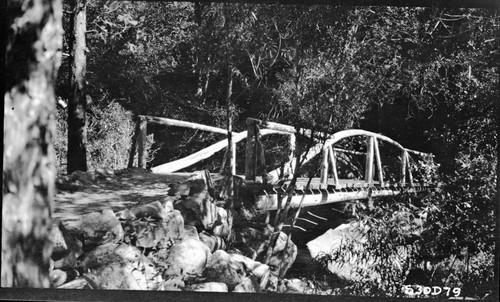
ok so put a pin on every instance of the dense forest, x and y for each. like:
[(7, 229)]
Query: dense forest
[(426, 77)]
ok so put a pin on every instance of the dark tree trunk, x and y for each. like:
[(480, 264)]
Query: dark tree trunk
[(33, 57), (77, 106)]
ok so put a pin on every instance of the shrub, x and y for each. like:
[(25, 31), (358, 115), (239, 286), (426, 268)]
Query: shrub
[(110, 130)]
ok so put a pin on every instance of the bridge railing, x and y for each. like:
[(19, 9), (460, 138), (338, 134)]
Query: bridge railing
[(254, 155)]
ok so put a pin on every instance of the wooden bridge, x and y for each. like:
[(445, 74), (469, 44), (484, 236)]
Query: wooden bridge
[(333, 184)]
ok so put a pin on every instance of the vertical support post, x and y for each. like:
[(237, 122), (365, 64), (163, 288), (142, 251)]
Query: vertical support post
[(333, 161), (410, 176), (404, 156), (369, 160), (233, 158), (249, 153), (324, 167), (289, 169), (134, 145), (379, 163), (141, 142)]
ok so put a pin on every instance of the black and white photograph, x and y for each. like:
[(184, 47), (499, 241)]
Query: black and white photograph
[(258, 150)]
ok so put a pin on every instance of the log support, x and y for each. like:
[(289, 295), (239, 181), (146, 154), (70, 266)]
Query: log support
[(142, 143), (324, 167), (333, 162), (369, 160), (378, 162)]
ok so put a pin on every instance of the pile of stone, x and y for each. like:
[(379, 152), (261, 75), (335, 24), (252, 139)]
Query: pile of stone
[(184, 242)]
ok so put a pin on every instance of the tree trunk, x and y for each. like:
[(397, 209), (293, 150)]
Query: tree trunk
[(33, 57), (77, 106)]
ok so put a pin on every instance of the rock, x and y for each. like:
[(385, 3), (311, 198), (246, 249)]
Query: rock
[(297, 286), (253, 242), (97, 228), (259, 273), (212, 241), (126, 215), (121, 266), (154, 210), (78, 283), (209, 287), (198, 210), (85, 178), (174, 283), (221, 227), (246, 286), (159, 234), (66, 249), (57, 277), (168, 203), (188, 188), (223, 268), (186, 259), (190, 232), (102, 254), (283, 256), (333, 239)]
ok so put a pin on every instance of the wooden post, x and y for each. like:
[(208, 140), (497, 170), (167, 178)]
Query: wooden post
[(333, 161), (289, 169), (410, 176), (369, 160), (403, 167), (233, 158), (141, 142), (250, 154), (379, 163), (324, 167), (134, 146)]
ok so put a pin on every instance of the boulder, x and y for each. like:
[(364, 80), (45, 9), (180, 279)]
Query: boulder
[(208, 287), (66, 249), (283, 256), (223, 268), (125, 215), (160, 234), (154, 210), (259, 273), (198, 210), (186, 259), (246, 286), (96, 229), (221, 226), (121, 266), (253, 242), (233, 269), (212, 241), (188, 188), (190, 232)]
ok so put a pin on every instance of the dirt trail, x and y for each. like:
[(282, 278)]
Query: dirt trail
[(123, 189)]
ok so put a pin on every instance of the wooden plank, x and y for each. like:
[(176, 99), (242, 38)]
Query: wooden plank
[(378, 162), (369, 160), (270, 201), (324, 167), (184, 124), (333, 161), (142, 143)]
